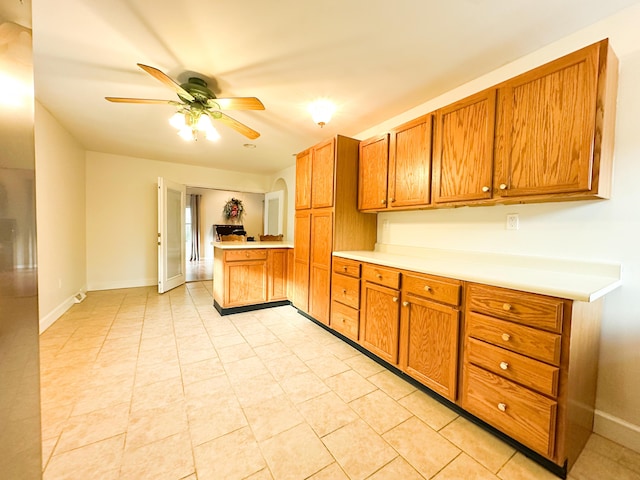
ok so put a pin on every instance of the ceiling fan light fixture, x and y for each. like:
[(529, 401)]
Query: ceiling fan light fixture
[(177, 120), (212, 134), (187, 133), (321, 111)]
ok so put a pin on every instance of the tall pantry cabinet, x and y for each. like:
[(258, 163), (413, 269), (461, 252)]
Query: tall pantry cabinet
[(327, 220)]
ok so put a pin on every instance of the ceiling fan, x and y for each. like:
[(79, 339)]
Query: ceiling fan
[(197, 105)]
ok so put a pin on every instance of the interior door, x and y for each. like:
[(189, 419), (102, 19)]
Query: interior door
[(171, 234)]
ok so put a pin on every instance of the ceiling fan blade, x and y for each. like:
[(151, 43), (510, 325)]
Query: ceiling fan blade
[(236, 125), (158, 75), (138, 100), (236, 103)]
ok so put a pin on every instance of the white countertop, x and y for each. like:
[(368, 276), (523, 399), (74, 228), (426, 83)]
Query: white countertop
[(571, 279), (245, 245)]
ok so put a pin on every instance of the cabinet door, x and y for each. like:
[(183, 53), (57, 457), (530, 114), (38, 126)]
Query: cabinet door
[(546, 127), (303, 180), (410, 164), (322, 175), (380, 321), (372, 173), (277, 285), (320, 265), (463, 157), (301, 250), (245, 282), (429, 344)]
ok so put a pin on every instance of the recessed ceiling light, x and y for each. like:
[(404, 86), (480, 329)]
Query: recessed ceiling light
[(249, 145)]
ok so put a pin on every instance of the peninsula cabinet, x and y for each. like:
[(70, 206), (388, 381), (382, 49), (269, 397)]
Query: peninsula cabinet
[(327, 220), (463, 150), (554, 133), (249, 277), (395, 168)]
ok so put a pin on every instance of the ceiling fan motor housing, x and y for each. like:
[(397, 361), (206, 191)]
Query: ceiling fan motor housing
[(198, 90)]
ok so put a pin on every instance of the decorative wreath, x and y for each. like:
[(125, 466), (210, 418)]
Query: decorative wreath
[(233, 209)]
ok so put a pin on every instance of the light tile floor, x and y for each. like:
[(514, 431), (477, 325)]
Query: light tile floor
[(137, 385)]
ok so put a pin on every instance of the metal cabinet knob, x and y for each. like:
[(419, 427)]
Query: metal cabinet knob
[(427, 288), (506, 337), (485, 189), (344, 291), (504, 365), (344, 269), (405, 304), (502, 407), (507, 307), (379, 275), (395, 299), (392, 200), (383, 201), (503, 186)]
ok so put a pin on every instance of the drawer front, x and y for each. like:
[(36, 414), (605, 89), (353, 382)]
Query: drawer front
[(380, 275), (346, 290), (433, 289), (245, 254), (529, 309), (523, 370), (526, 416), (345, 320), (346, 267), (544, 346)]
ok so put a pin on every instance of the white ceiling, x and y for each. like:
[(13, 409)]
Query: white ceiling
[(374, 58)]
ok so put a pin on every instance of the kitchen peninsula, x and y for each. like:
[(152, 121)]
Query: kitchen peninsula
[(250, 275)]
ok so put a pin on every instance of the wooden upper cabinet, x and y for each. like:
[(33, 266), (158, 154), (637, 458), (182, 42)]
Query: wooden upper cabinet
[(372, 173), (322, 174), (547, 127), (463, 150), (410, 164), (303, 180)]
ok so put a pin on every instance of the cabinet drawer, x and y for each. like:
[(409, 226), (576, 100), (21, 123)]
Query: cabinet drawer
[(533, 343), (439, 290), (529, 309), (523, 370), (345, 320), (380, 275), (245, 254), (346, 267), (526, 416), (346, 290)]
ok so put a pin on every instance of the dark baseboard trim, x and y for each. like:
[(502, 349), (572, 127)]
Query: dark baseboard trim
[(560, 471), (248, 308)]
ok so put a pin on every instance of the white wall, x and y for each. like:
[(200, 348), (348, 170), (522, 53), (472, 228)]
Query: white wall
[(60, 212), (122, 213), (607, 230), (211, 205), (288, 176)]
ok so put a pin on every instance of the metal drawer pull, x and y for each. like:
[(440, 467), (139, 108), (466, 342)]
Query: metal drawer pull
[(395, 299), (506, 306), (427, 288), (502, 407), (379, 275), (504, 365), (506, 337), (405, 304)]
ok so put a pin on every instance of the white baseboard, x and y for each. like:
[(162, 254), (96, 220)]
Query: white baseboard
[(56, 313), (145, 282), (617, 430)]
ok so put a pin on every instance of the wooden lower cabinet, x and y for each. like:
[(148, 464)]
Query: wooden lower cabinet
[(524, 363), (530, 367), (429, 344), (380, 325), (250, 276)]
